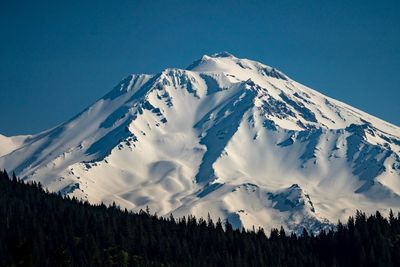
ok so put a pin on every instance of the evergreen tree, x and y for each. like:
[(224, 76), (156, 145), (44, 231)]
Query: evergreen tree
[(38, 228)]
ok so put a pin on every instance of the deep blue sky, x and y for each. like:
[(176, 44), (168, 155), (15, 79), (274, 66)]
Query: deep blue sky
[(57, 57)]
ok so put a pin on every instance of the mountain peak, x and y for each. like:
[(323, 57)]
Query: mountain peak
[(240, 67), (222, 54)]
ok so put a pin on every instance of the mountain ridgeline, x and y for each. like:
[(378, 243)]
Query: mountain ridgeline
[(229, 137), (39, 228)]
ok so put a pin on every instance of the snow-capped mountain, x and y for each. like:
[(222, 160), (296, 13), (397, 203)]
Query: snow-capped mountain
[(226, 136)]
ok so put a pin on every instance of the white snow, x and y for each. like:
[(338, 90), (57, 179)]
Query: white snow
[(9, 144), (227, 136)]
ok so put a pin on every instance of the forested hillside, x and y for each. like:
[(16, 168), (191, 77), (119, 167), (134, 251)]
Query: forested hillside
[(38, 228)]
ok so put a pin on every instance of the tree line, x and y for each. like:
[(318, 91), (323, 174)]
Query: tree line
[(38, 228)]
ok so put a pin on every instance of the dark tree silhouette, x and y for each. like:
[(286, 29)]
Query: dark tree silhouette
[(38, 228)]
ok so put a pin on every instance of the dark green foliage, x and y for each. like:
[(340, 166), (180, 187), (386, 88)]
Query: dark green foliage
[(42, 229)]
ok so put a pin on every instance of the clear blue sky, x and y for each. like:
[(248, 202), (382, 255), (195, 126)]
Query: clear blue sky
[(57, 57)]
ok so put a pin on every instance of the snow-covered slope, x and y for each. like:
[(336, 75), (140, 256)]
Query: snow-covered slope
[(226, 136), (9, 144)]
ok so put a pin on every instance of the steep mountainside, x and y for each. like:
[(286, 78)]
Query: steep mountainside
[(226, 136)]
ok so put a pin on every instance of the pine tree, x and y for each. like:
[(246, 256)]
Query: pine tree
[(44, 229)]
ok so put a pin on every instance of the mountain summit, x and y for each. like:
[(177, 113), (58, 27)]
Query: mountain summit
[(227, 136)]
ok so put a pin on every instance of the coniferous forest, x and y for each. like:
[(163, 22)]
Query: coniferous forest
[(38, 228)]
